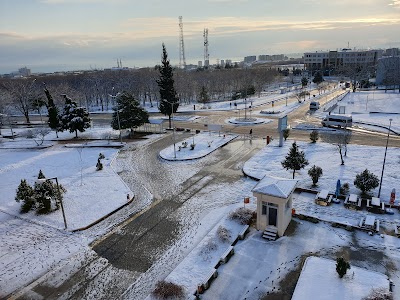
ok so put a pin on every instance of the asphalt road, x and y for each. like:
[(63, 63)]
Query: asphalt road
[(123, 260)]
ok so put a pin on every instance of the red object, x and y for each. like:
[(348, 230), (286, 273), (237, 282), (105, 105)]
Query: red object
[(246, 200), (293, 211), (392, 196)]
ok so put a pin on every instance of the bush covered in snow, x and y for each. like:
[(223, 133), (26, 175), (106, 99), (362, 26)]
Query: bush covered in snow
[(242, 215), (223, 234), (379, 294), (209, 247), (165, 290)]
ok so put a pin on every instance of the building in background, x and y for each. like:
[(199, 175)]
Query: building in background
[(250, 59), (333, 60), (388, 71)]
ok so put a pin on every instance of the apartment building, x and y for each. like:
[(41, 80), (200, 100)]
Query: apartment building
[(335, 59)]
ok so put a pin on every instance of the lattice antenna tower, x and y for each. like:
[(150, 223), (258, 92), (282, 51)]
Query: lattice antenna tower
[(182, 60), (206, 55)]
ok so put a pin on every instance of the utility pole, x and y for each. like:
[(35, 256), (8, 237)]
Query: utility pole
[(182, 60)]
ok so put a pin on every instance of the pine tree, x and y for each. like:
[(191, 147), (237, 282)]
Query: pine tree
[(295, 160), (53, 113), (342, 266), (318, 78), (48, 196), (366, 181), (41, 175), (130, 113), (315, 173), (304, 82), (74, 118), (203, 97), (169, 101), (25, 193)]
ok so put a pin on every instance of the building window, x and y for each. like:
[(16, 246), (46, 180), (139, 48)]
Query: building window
[(264, 209)]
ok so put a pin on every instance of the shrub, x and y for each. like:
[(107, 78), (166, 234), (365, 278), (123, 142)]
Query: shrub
[(315, 173), (241, 215), (41, 175), (379, 294), (344, 188), (314, 136), (209, 247), (223, 234), (366, 181), (286, 133), (165, 290), (342, 266)]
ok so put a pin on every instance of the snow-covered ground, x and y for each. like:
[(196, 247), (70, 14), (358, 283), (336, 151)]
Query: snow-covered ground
[(205, 143), (326, 156), (319, 274), (372, 107)]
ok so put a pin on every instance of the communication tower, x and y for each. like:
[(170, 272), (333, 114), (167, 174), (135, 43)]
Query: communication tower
[(182, 60), (206, 55)]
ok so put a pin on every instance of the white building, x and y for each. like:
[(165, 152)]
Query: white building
[(274, 203), (346, 57)]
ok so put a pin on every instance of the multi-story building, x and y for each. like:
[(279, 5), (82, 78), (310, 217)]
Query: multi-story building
[(331, 60), (250, 59)]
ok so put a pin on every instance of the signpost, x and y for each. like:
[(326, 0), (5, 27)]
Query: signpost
[(282, 125)]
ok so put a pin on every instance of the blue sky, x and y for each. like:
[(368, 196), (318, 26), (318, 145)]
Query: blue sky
[(50, 35)]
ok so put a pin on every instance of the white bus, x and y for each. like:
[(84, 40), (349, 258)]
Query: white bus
[(342, 121)]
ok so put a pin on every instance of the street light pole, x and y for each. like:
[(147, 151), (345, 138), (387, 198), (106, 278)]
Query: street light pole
[(59, 195), (384, 158)]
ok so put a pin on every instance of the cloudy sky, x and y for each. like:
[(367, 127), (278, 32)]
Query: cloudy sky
[(51, 35)]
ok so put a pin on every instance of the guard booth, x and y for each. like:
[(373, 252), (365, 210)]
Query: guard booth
[(274, 202)]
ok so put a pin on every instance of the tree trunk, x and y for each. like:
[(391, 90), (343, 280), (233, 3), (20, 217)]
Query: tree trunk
[(293, 173), (341, 155), (76, 133), (169, 119)]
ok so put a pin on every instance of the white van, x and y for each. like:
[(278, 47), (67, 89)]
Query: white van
[(342, 121), (314, 105)]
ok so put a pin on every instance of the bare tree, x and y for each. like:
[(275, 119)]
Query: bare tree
[(22, 93), (340, 139)]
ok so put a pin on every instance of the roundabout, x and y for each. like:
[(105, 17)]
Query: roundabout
[(248, 121)]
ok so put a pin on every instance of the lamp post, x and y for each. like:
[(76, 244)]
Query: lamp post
[(60, 199), (173, 123), (384, 158)]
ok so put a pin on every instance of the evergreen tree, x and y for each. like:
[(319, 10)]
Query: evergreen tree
[(74, 118), (129, 112), (318, 78), (366, 181), (41, 175), (203, 97), (47, 196), (315, 173), (304, 82), (25, 193), (342, 266), (169, 101), (53, 113), (295, 160)]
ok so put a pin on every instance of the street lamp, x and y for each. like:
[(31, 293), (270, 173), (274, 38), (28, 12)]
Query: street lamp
[(384, 158), (173, 124), (41, 180)]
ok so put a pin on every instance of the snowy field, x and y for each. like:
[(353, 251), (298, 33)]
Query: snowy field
[(372, 107), (90, 194), (268, 161), (319, 274)]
